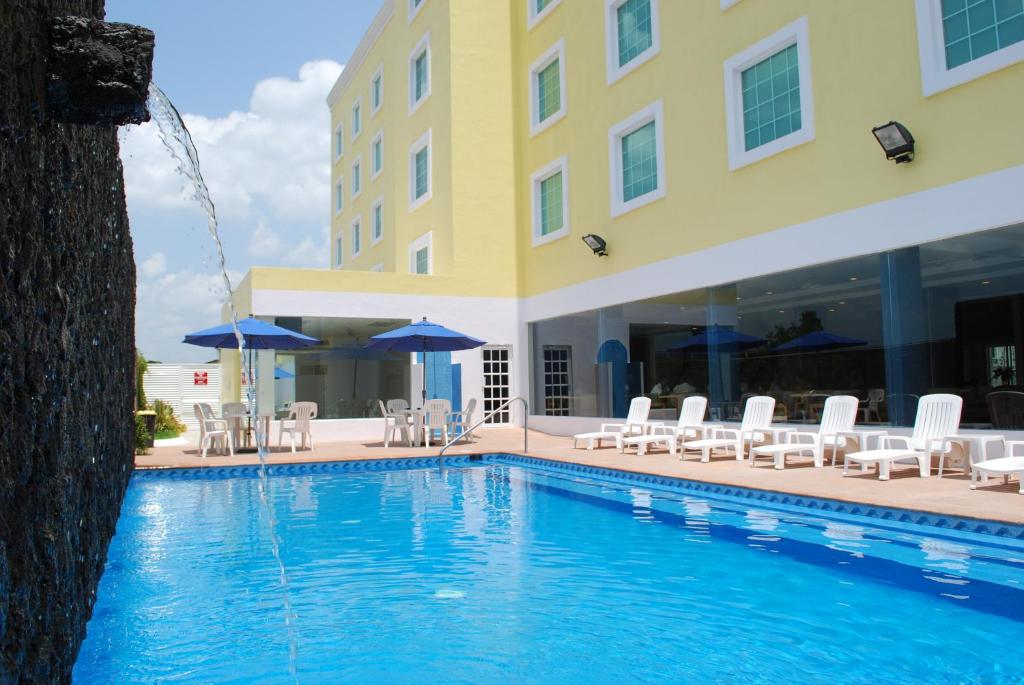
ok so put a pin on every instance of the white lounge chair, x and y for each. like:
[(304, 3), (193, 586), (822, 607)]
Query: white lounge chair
[(838, 416), (690, 424), (636, 424), (394, 423), (757, 418), (298, 423), (212, 431), (1009, 465), (938, 417)]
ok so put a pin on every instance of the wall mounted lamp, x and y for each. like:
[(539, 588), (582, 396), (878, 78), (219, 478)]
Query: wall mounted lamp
[(896, 140), (597, 244)]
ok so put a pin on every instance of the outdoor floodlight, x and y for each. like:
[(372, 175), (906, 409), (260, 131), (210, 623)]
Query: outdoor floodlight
[(896, 140), (597, 244)]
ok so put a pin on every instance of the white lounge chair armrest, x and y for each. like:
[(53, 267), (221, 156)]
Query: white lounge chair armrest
[(894, 442), (698, 431), (1012, 447)]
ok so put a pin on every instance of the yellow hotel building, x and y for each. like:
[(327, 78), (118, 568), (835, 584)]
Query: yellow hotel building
[(757, 237)]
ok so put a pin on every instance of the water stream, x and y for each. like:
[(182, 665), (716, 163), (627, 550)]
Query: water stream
[(176, 138)]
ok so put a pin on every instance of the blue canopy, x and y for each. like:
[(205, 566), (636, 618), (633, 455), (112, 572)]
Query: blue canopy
[(423, 336), (257, 335), (820, 340), (720, 336)]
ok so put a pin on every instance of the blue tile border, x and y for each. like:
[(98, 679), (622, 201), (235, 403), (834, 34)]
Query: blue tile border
[(959, 527)]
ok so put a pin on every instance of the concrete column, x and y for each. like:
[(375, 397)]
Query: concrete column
[(904, 332)]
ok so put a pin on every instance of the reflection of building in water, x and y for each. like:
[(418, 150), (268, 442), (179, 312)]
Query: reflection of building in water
[(952, 557), (764, 521)]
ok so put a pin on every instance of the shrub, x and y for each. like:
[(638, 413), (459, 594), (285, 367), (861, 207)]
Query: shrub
[(140, 370), (141, 435), (167, 424)]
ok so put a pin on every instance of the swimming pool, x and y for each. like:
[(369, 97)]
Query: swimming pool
[(514, 570)]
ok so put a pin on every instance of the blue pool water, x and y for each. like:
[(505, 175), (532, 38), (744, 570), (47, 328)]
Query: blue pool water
[(499, 573)]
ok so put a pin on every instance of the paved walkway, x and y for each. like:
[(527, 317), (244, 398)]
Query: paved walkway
[(948, 495)]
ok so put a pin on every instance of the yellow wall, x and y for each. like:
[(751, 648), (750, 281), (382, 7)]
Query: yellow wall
[(865, 71)]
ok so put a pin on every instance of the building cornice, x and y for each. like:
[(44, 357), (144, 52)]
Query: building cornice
[(355, 61)]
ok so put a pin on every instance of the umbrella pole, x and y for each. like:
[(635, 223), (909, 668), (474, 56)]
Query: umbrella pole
[(423, 390)]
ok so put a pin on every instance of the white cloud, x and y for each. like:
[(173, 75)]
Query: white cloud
[(264, 242), (155, 265)]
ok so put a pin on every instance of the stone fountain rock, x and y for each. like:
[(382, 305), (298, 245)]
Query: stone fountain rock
[(67, 298)]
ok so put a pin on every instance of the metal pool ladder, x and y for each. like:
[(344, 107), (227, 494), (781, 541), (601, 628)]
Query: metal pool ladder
[(504, 405)]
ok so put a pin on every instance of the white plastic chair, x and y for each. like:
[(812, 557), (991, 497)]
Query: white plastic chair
[(436, 417), (298, 423), (757, 418), (460, 421), (690, 424), (938, 418), (872, 405), (636, 424), (1009, 465), (394, 423), (838, 416), (397, 405), (212, 430)]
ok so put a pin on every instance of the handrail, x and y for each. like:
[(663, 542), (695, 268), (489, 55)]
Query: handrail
[(504, 405)]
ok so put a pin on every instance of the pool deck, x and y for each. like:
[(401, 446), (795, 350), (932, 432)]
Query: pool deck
[(948, 495)]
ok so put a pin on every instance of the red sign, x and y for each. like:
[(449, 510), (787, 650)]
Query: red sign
[(200, 378)]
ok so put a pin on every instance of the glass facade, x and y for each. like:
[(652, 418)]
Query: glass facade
[(341, 376), (975, 28), (639, 162), (551, 218), (771, 98), (946, 316), (549, 96), (633, 19)]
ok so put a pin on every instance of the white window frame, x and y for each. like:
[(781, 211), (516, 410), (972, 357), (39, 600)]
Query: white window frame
[(652, 112), (556, 51), (378, 267), (726, 4), (378, 138), (414, 9), (422, 46), (357, 176), (611, 38), (357, 105), (339, 193), (379, 74), (426, 240), (379, 202), (533, 17), (423, 141), (794, 33), (542, 174), (338, 142), (935, 77), (339, 249), (357, 228)]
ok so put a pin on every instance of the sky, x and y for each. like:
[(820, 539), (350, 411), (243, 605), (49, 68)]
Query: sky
[(250, 78)]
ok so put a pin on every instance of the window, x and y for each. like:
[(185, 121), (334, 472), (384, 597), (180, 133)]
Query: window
[(557, 380), (547, 88), (637, 170), (377, 155), (414, 8), (357, 236), (339, 196), (421, 258), (377, 221), (339, 141), (768, 98), (420, 175), (632, 35), (357, 177), (536, 10), (961, 40), (550, 195), (419, 73), (377, 90), (497, 382), (357, 118), (339, 249)]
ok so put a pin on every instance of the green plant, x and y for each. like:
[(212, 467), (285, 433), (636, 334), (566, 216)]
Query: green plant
[(167, 424), (141, 436), (140, 370)]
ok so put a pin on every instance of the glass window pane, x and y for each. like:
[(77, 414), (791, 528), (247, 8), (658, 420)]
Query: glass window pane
[(639, 162), (551, 204), (771, 98), (420, 76), (974, 29), (423, 260), (421, 170), (549, 97), (634, 29)]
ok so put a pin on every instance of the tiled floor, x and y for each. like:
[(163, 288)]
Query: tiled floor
[(948, 495)]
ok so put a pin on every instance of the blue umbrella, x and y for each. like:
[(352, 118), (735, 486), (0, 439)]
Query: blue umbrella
[(280, 373), (423, 336), (721, 337), (820, 340)]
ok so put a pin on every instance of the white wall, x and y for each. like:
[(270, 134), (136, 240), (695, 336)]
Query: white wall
[(175, 385)]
